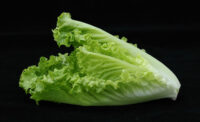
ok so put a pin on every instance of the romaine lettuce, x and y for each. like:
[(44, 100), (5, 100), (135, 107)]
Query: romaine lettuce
[(102, 70)]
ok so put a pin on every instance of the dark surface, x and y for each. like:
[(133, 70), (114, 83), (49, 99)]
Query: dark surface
[(170, 35)]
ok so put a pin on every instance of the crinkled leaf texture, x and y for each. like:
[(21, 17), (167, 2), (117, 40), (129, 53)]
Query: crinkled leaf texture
[(102, 70)]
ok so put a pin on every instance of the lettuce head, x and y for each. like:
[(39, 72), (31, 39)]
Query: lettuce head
[(101, 70)]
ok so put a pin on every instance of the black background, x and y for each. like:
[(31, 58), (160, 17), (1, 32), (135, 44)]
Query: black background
[(168, 31)]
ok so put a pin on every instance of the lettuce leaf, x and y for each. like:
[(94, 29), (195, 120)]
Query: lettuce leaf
[(102, 70)]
